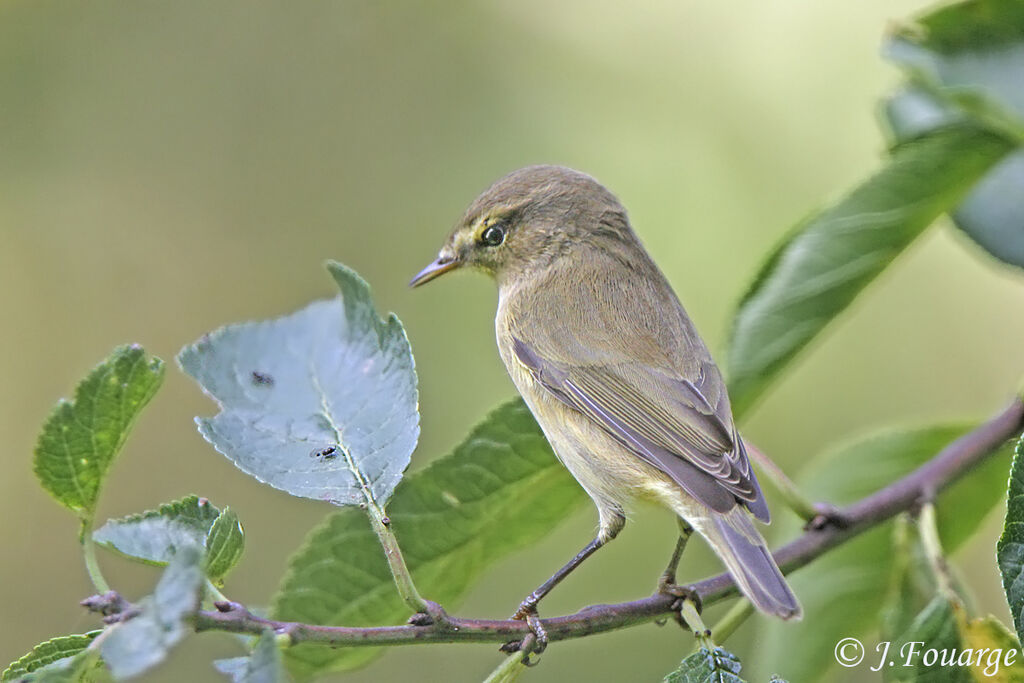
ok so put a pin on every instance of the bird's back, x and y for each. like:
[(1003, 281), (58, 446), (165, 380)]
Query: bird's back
[(607, 311)]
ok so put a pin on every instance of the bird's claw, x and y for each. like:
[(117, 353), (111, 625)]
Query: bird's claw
[(680, 593), (826, 515), (536, 641)]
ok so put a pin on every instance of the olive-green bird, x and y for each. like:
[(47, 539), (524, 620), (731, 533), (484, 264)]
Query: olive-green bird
[(613, 370)]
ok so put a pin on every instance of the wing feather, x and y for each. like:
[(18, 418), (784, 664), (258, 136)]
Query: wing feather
[(664, 420)]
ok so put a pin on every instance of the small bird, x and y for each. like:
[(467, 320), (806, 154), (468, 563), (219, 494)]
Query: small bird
[(614, 372)]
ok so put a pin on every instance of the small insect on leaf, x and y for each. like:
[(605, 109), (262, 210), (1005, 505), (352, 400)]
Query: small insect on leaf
[(328, 453), (262, 379)]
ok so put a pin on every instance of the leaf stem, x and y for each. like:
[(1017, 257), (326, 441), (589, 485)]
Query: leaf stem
[(378, 521), (89, 554), (790, 493), (741, 610), (214, 592), (929, 531), (396, 561), (508, 671)]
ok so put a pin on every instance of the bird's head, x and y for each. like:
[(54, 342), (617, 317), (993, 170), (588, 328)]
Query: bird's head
[(528, 219)]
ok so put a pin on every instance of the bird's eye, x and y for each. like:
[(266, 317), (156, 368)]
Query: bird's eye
[(492, 236)]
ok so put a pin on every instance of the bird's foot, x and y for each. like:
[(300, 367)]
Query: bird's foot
[(536, 641), (666, 586), (826, 515), (686, 606)]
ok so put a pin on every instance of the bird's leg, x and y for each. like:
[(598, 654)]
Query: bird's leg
[(529, 604), (686, 599), (528, 607), (668, 577)]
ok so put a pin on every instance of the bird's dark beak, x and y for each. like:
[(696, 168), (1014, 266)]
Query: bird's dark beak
[(441, 265)]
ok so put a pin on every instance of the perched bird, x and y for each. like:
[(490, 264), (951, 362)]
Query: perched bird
[(614, 371)]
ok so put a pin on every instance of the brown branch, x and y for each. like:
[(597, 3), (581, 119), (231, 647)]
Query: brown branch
[(923, 484)]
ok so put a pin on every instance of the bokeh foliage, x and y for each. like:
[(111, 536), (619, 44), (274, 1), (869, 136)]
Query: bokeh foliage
[(231, 144)]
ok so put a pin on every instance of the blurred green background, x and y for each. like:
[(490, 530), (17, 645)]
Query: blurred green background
[(167, 167)]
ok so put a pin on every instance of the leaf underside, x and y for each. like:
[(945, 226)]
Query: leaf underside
[(966, 62), (321, 403), (707, 666)]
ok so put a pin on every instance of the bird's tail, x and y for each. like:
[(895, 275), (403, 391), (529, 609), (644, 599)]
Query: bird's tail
[(737, 541)]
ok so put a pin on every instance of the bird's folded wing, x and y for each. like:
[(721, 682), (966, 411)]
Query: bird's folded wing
[(664, 420)]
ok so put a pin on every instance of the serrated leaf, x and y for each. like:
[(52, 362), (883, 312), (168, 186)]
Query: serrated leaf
[(80, 439), (707, 666), (85, 667), (824, 264), (843, 592), (264, 665), (47, 653), (500, 490), (154, 536), (138, 644), (319, 403), (224, 545), (1010, 548), (966, 62)]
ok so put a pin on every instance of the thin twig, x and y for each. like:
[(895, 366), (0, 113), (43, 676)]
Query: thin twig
[(953, 462)]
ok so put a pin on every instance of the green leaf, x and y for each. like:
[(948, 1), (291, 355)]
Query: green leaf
[(988, 633), (1010, 549), (934, 629), (154, 536), (707, 666), (138, 644), (81, 437), (990, 214), (844, 590), (47, 653), (321, 403), (224, 545), (944, 645), (966, 62), (85, 667), (970, 54), (500, 490), (264, 665), (825, 263)]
